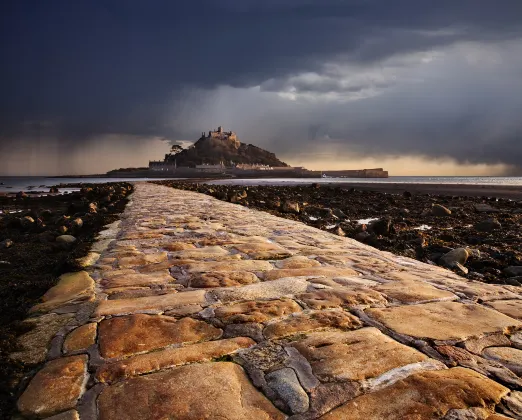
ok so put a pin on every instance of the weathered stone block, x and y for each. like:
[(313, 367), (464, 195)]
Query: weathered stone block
[(200, 391), (444, 320), (80, 338), (127, 335), (55, 388)]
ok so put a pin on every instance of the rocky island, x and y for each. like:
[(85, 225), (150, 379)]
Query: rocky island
[(220, 153)]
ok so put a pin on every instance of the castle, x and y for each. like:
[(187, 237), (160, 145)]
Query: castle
[(221, 153), (222, 135)]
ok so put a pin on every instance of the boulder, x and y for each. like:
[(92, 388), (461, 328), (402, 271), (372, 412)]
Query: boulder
[(488, 225), (66, 239), (457, 255), (285, 383), (513, 271)]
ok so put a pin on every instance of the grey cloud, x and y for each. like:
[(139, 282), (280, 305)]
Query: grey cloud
[(76, 70)]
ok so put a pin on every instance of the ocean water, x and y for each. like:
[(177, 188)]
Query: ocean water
[(13, 184), (42, 184)]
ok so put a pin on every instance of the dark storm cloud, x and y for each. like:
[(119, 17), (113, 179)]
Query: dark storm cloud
[(77, 69)]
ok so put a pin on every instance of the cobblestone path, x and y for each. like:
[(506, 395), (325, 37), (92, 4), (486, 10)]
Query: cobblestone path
[(193, 308)]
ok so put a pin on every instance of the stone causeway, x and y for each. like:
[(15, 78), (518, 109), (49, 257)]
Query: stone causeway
[(194, 308)]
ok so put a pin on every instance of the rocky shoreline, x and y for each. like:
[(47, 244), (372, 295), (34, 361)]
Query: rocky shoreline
[(477, 237), (42, 237)]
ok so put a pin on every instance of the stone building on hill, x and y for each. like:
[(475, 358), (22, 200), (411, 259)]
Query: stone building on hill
[(223, 135)]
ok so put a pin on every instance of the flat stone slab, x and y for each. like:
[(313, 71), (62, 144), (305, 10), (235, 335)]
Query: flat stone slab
[(137, 279), (414, 292), (512, 308), (508, 356), (423, 396), (309, 272), (313, 320), (71, 287), (208, 252), (194, 392), (142, 259), (256, 311), (263, 251), (171, 357), (150, 303), (266, 290), (354, 355), (80, 338), (55, 388), (444, 320), (241, 265), (343, 297), (299, 261), (128, 335), (34, 344), (222, 279)]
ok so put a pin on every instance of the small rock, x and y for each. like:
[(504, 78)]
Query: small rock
[(338, 213), (339, 232), (285, 383), (407, 194), (485, 208), (77, 223), (27, 222), (488, 225), (53, 190), (92, 208), (8, 243), (381, 227), (66, 239), (290, 207), (62, 229), (46, 214), (362, 236), (21, 194), (460, 267), (440, 211)]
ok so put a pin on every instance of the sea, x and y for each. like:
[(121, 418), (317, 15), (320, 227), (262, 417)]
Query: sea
[(42, 184)]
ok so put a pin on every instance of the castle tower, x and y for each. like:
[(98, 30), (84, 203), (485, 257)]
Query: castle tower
[(220, 129)]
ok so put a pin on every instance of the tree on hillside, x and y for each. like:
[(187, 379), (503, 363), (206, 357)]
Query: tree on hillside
[(175, 149)]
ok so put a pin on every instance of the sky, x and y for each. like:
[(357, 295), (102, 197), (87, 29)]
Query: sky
[(421, 87)]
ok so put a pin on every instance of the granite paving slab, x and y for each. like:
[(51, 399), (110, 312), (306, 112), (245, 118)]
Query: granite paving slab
[(201, 309)]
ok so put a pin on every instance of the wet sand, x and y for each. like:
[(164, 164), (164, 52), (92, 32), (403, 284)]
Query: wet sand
[(501, 191)]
